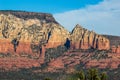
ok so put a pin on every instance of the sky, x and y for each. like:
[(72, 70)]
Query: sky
[(101, 16)]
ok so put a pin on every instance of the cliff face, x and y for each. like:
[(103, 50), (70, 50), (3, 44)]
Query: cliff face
[(115, 49), (30, 15), (114, 40), (114, 43), (84, 39), (22, 33), (27, 32)]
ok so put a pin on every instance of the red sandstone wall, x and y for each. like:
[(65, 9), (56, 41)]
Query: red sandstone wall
[(116, 49), (24, 47), (6, 46)]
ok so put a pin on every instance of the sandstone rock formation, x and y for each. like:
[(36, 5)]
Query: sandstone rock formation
[(114, 40), (114, 43), (84, 39), (116, 49), (30, 31)]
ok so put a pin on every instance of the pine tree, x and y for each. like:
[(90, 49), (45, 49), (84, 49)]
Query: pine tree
[(92, 73), (97, 78), (47, 79), (103, 76), (81, 75)]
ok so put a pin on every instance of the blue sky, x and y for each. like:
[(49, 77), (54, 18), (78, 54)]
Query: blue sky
[(102, 16), (49, 6)]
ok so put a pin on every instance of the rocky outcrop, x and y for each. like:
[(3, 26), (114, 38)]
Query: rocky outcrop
[(84, 39), (28, 32), (31, 33), (114, 40), (30, 15), (114, 43), (115, 49)]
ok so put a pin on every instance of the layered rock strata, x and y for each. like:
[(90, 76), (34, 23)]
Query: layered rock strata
[(84, 39), (23, 32), (31, 33)]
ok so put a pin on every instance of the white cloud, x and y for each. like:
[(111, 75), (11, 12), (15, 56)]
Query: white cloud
[(104, 18)]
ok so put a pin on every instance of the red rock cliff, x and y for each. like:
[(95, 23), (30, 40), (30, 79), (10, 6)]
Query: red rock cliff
[(116, 49), (84, 39), (23, 32), (30, 31)]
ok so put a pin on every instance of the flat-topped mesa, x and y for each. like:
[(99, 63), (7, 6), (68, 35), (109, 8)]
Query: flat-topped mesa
[(26, 32), (84, 39), (30, 15)]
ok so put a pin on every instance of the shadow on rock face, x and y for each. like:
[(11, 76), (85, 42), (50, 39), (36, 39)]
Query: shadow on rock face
[(67, 43), (15, 42)]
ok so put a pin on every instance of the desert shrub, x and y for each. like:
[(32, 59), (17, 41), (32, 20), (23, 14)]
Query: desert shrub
[(53, 53), (5, 55)]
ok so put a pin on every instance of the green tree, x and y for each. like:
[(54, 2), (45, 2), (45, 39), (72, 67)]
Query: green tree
[(97, 78), (81, 75), (92, 74), (47, 79), (103, 76)]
